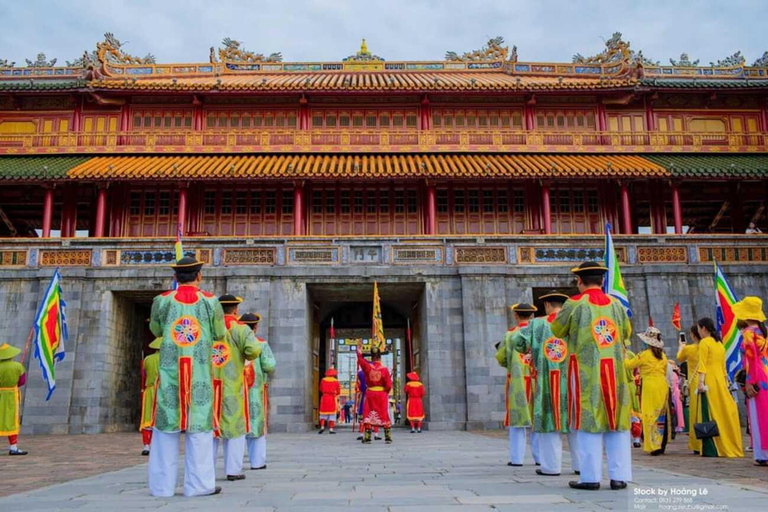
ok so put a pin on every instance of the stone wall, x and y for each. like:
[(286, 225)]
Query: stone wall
[(463, 311)]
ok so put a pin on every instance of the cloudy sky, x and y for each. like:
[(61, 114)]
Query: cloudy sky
[(543, 30)]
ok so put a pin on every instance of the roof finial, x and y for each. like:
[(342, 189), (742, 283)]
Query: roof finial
[(363, 47)]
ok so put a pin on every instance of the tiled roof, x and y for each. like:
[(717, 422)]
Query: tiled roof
[(709, 166), (38, 167), (364, 167), (368, 81), (688, 83), (35, 84)]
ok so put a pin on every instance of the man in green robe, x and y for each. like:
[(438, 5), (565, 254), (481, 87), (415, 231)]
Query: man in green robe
[(12, 376), (518, 388), (189, 321), (595, 327), (550, 390), (256, 376), (150, 368), (230, 395)]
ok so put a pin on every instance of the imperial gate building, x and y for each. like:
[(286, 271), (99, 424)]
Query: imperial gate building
[(460, 185)]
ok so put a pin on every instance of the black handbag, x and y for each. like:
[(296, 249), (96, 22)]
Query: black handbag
[(705, 429)]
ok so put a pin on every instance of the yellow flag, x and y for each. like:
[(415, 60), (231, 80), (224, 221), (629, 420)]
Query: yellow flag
[(377, 333)]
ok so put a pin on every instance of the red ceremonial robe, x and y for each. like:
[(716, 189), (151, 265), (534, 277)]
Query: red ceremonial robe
[(414, 409), (378, 385), (330, 391)]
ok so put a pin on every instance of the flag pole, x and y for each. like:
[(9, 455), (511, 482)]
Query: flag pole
[(25, 364)]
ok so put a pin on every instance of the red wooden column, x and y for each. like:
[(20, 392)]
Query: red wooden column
[(677, 211), (298, 208), (101, 212), (48, 212), (197, 114), (546, 209), (431, 224), (649, 123), (602, 119), (183, 208), (764, 116), (528, 115), (303, 113), (426, 114), (626, 214), (69, 213)]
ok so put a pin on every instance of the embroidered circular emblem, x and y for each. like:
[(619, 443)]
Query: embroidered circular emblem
[(525, 358), (555, 350), (219, 354), (185, 331), (375, 375), (604, 332)]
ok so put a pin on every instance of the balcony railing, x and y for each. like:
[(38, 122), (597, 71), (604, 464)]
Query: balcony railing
[(406, 141)]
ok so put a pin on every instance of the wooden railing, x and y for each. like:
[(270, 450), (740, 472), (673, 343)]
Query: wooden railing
[(331, 141)]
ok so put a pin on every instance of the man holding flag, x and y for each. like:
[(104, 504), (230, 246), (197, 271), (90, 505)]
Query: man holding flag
[(12, 377)]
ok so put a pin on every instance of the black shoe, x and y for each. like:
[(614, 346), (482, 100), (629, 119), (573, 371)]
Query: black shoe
[(145, 452), (540, 472), (260, 467), (216, 490), (637, 445), (360, 437), (538, 463), (585, 486), (514, 465), (576, 472), (413, 431), (377, 438), (696, 452), (331, 431), (657, 452), (321, 431), (419, 431), (234, 478), (17, 452), (618, 485)]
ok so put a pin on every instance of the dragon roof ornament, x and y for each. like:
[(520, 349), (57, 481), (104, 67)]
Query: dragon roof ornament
[(762, 62), (616, 50), (4, 63), (234, 52), (110, 51), (737, 59), (40, 62), (684, 62), (492, 51), (363, 55)]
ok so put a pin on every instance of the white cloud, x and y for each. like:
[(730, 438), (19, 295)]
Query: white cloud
[(546, 30)]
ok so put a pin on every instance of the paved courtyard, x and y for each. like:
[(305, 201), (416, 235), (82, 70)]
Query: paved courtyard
[(434, 471)]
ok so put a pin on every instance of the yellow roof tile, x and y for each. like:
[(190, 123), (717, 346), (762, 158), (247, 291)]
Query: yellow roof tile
[(238, 167)]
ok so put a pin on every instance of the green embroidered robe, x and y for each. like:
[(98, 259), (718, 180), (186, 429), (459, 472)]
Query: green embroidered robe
[(189, 321), (257, 392), (228, 356), (548, 367), (518, 388), (595, 328)]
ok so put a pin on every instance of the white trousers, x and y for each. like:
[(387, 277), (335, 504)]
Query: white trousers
[(618, 451), (234, 451), (257, 451), (573, 447), (535, 446), (754, 430), (199, 474), (550, 452), (517, 444)]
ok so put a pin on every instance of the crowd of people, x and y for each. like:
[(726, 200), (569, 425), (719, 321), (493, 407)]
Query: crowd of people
[(572, 372), (569, 372)]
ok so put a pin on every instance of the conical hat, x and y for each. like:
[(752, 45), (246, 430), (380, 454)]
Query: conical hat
[(8, 352), (156, 343)]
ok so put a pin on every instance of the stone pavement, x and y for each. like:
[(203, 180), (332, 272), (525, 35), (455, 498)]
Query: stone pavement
[(434, 471)]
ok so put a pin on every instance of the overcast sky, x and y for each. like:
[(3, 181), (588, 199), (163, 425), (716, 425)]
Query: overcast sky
[(327, 30)]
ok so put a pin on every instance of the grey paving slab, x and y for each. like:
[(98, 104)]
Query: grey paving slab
[(435, 471)]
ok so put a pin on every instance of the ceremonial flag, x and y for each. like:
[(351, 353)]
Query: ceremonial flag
[(676, 317), (726, 322), (333, 331), (614, 284), (410, 349), (377, 333), (51, 331), (179, 250)]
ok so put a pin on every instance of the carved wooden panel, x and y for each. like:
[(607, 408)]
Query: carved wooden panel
[(313, 255), (13, 258), (569, 255), (255, 256), (407, 255), (662, 254), (734, 254), (481, 255), (65, 258)]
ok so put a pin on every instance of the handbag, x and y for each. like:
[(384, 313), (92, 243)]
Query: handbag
[(705, 429)]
